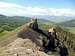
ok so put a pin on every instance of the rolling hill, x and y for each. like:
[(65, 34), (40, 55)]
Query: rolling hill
[(70, 25), (56, 19)]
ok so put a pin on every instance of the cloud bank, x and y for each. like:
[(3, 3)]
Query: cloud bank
[(18, 10)]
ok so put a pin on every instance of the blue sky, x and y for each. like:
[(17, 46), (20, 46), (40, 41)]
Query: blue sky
[(37, 7), (44, 3)]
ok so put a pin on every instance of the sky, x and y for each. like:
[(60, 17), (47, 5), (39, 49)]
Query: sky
[(37, 7), (44, 3)]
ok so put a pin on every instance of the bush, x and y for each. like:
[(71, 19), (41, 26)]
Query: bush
[(1, 30), (7, 28)]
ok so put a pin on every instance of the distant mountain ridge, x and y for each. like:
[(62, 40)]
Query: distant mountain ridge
[(70, 23), (56, 19)]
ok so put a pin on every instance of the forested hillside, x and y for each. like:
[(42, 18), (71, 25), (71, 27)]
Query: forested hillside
[(70, 25), (10, 23)]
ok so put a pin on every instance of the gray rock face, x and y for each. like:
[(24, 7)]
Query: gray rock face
[(16, 48), (32, 35)]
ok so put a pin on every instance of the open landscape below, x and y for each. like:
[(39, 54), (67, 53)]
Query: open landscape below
[(12, 45)]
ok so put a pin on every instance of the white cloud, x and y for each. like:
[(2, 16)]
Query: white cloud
[(18, 10)]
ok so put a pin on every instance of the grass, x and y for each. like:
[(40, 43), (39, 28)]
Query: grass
[(7, 34), (3, 33), (71, 29), (10, 36)]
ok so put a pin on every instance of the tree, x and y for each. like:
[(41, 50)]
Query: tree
[(1, 30), (6, 27)]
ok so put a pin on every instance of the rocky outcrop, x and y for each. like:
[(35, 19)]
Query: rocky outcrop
[(23, 47)]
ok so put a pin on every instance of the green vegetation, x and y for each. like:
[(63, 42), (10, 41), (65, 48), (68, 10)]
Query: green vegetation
[(11, 23), (3, 33), (70, 23), (71, 29)]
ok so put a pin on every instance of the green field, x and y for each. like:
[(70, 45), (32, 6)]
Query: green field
[(71, 29)]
